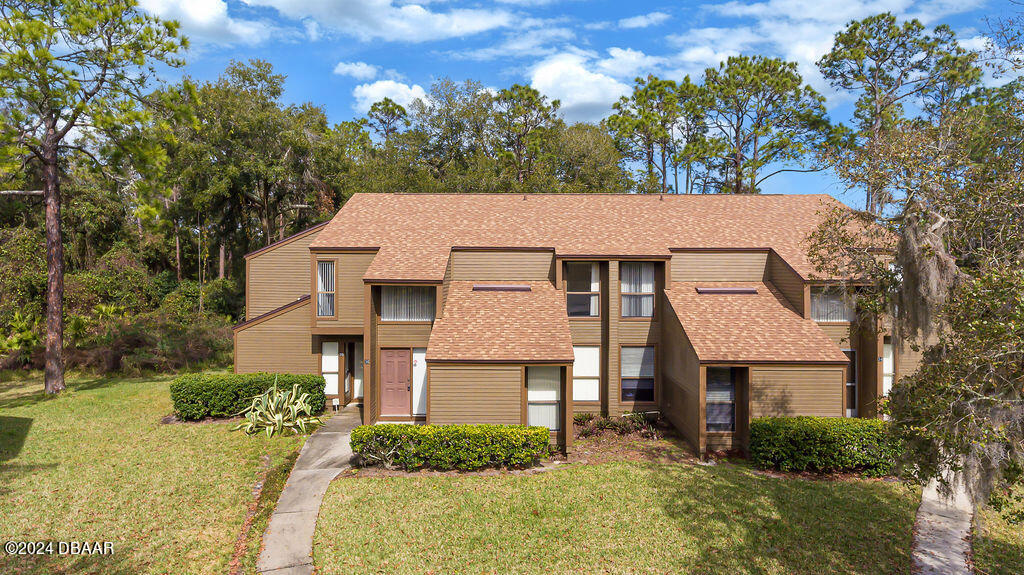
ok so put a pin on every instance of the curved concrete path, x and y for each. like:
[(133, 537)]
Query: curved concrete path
[(288, 542), (942, 531)]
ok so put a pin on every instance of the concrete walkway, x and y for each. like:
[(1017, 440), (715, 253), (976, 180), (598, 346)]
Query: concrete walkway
[(288, 542), (942, 532)]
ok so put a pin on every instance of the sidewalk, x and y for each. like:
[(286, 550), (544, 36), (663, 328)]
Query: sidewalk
[(288, 542), (942, 532)]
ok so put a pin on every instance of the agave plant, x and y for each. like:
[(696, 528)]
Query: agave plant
[(279, 411)]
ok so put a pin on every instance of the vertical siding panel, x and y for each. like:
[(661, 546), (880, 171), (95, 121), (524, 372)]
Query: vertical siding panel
[(680, 377), (502, 265), (776, 391), (280, 344), (786, 281), (279, 276), (475, 394), (614, 304), (746, 266)]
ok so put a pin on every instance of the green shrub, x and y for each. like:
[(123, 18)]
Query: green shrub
[(823, 445), (581, 418), (200, 395), (644, 424), (446, 447)]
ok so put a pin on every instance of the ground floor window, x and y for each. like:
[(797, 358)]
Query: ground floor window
[(543, 396), (720, 399), (586, 373), (637, 373), (851, 383)]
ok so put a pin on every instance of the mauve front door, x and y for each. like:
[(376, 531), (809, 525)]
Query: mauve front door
[(395, 382)]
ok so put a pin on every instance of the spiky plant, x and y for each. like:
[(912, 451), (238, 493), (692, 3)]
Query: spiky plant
[(279, 411)]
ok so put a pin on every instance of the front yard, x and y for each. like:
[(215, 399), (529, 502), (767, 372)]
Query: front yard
[(96, 464), (645, 514), (998, 545)]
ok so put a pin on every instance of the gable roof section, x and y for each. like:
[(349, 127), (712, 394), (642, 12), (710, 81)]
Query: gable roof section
[(287, 240), (415, 232), (748, 327), (502, 326)]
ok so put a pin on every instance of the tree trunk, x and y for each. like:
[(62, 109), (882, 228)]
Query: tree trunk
[(220, 264), (54, 373)]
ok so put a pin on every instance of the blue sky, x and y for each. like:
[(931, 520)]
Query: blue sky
[(345, 54)]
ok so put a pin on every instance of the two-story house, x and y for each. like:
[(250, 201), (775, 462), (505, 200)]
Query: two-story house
[(525, 309)]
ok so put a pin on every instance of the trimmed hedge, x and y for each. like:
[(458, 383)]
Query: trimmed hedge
[(823, 445), (446, 447), (199, 395)]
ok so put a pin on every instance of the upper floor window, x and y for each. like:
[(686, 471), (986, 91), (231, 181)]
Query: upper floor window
[(831, 304), (583, 289), (637, 288), (407, 303), (325, 289)]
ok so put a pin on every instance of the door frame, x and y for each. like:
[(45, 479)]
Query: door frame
[(380, 380)]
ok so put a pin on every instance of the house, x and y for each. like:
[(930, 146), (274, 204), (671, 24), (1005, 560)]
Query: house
[(526, 309)]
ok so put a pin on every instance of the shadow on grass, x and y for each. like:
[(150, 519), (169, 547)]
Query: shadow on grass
[(38, 396), (800, 526), (122, 562)]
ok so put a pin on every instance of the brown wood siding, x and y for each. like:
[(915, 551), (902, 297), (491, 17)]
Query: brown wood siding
[(718, 266), (475, 394), (786, 281), (371, 383), (585, 331), (778, 391), (403, 334), (907, 360), (611, 348), (281, 344), (445, 285), (502, 266), (839, 333), (639, 332), (348, 301), (278, 276), (680, 377)]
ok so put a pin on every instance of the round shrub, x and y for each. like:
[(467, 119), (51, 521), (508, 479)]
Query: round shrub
[(823, 445), (446, 447)]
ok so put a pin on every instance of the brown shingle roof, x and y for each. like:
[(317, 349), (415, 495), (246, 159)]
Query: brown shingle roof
[(737, 327), (415, 232), (502, 326)]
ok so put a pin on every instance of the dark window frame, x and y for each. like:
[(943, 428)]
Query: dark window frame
[(654, 289), (732, 404), (653, 378), (591, 294)]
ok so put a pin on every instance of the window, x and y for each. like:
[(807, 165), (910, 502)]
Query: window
[(407, 303), (637, 373), (851, 383), (583, 289), (720, 399), (586, 373), (830, 305), (543, 388), (888, 365), (637, 287), (325, 289)]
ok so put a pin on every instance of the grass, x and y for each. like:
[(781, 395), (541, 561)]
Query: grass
[(617, 516), (96, 464), (998, 544)]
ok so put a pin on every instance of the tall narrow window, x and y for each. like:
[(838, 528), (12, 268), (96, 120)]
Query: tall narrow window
[(407, 303), (637, 373), (325, 289), (831, 304), (586, 373), (583, 289), (851, 383), (888, 365), (637, 287), (543, 392), (720, 399)]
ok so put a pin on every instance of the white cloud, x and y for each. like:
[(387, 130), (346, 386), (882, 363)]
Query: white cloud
[(208, 21), (629, 63), (367, 94), (386, 20), (644, 20), (536, 42), (584, 93), (357, 70)]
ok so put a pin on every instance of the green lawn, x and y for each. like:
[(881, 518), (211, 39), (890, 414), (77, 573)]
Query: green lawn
[(96, 464), (620, 516), (998, 545)]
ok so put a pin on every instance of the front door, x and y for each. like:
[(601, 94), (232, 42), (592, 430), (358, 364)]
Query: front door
[(395, 382)]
